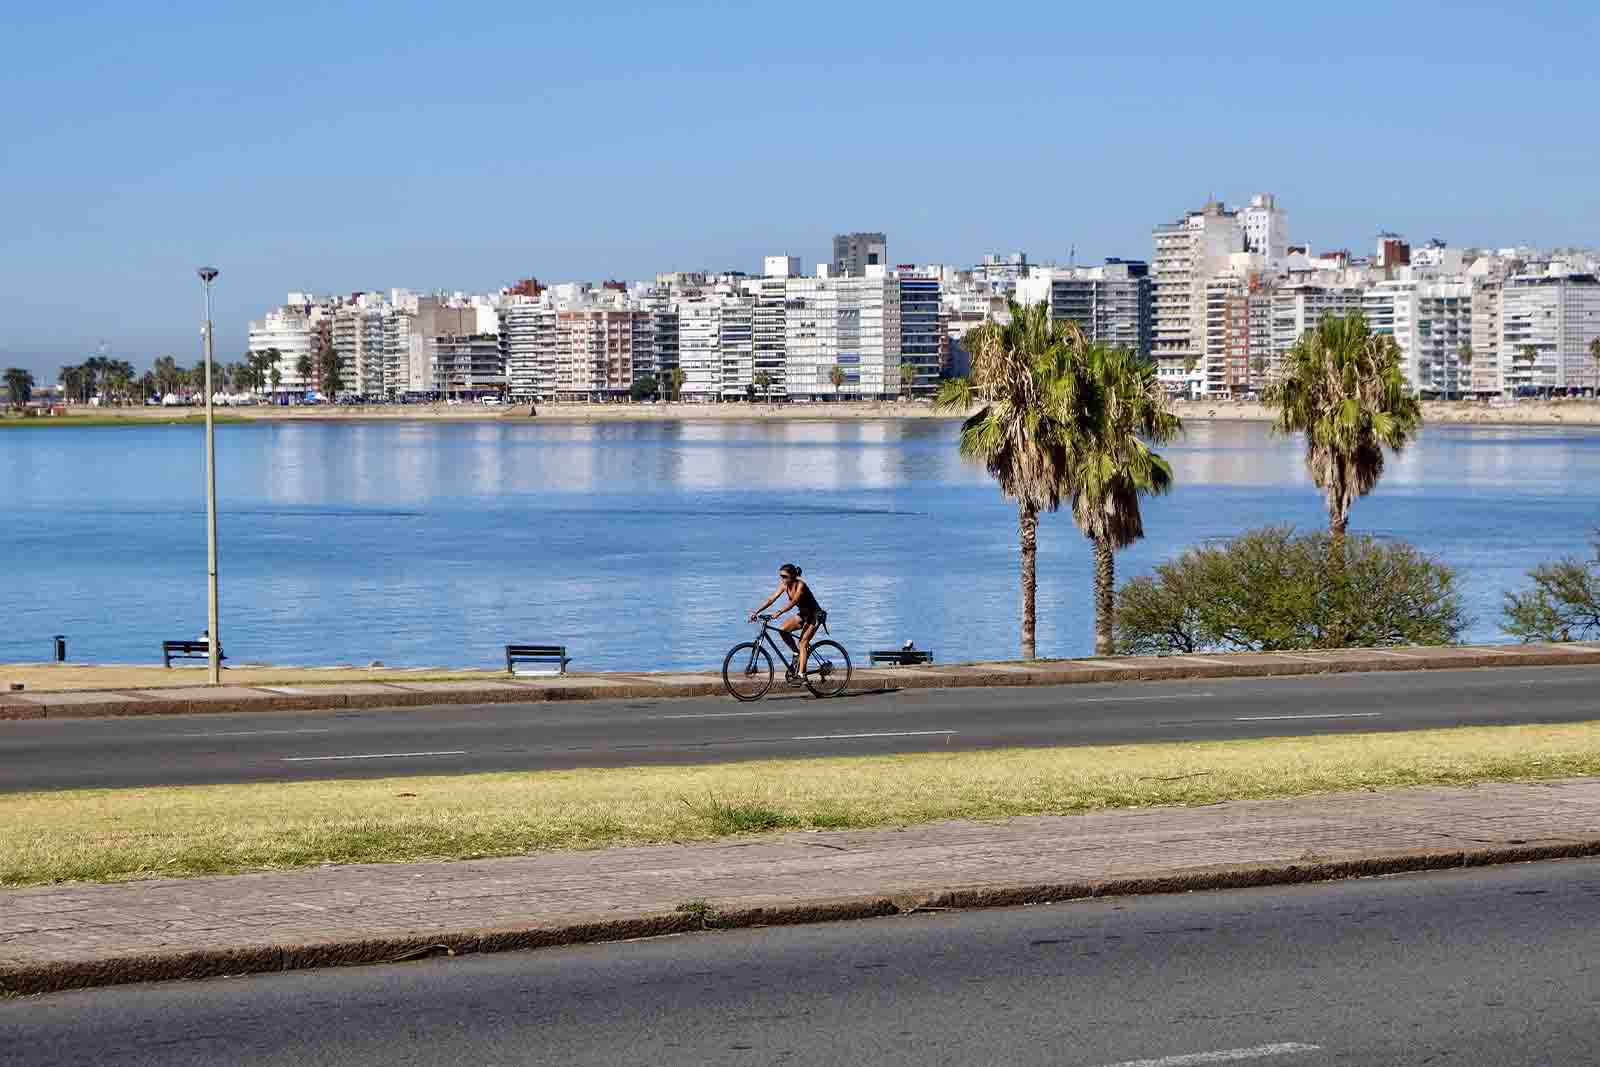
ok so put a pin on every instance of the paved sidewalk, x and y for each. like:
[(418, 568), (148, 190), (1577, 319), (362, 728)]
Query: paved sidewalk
[(40, 699), (58, 937)]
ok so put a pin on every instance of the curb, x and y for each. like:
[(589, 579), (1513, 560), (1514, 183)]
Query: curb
[(84, 704), (23, 979)]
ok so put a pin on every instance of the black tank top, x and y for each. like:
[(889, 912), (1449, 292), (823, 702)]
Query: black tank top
[(806, 604)]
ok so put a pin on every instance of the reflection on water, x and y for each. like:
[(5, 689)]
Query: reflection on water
[(644, 545)]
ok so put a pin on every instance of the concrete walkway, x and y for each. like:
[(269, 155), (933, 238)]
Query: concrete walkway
[(57, 937), (306, 690)]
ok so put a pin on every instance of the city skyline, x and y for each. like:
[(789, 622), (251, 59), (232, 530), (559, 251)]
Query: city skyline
[(696, 140)]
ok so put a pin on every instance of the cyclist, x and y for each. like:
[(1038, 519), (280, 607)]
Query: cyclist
[(809, 615)]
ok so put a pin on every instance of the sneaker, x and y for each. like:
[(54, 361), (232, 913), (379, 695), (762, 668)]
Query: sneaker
[(793, 681)]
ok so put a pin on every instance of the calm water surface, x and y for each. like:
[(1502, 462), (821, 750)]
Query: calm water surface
[(645, 545)]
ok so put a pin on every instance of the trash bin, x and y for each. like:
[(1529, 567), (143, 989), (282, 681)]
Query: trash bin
[(61, 648)]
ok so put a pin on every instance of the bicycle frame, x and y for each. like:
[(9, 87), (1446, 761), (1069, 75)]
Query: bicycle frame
[(767, 630)]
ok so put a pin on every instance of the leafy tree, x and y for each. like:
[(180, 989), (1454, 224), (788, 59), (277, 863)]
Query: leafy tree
[(19, 386), (1341, 386), (763, 381), (1564, 599), (71, 379), (837, 376), (1464, 354), (1117, 404), (167, 375), (643, 386), (1269, 590), (277, 378), (908, 378), (675, 379), (1019, 378)]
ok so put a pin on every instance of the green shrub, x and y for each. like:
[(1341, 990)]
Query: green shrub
[(1270, 590), (1564, 601)]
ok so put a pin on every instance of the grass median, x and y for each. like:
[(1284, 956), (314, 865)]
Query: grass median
[(113, 835)]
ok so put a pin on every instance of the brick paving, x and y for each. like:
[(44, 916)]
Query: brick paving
[(76, 934), (82, 692)]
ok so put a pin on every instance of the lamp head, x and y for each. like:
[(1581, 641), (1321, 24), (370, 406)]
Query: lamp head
[(208, 274)]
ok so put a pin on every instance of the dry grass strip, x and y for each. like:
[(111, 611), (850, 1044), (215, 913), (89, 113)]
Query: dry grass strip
[(107, 835)]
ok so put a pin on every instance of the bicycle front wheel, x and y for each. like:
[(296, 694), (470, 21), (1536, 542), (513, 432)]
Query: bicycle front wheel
[(827, 669), (747, 672)]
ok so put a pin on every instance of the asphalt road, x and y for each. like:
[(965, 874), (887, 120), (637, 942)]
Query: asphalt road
[(283, 746), (1491, 966)]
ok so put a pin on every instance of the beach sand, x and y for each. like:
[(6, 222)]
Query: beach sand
[(1583, 413)]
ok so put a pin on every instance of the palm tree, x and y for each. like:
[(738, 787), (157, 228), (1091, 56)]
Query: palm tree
[(763, 381), (19, 386), (1018, 431), (837, 377), (908, 378), (675, 379), (1120, 403), (1594, 354), (305, 367), (1342, 387)]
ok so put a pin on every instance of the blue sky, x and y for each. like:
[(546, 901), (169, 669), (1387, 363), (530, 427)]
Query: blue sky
[(343, 146)]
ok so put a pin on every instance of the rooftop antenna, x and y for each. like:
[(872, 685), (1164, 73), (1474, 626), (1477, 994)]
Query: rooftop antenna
[(1072, 256)]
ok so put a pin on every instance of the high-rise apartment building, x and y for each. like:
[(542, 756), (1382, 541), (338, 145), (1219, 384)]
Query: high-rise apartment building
[(1266, 228), (1547, 323), (853, 253), (292, 330), (1189, 253), (922, 339), (1111, 303), (852, 324)]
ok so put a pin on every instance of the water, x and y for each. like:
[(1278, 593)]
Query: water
[(644, 545)]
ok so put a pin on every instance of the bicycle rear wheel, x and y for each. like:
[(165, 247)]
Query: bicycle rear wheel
[(747, 671), (827, 669)]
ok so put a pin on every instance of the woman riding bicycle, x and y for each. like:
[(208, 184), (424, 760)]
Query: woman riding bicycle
[(808, 616)]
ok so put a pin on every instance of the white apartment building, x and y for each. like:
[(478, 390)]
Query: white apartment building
[(1430, 322), (1111, 303), (1189, 253), (1547, 323), (849, 323), (293, 330), (699, 349), (1266, 228), (1298, 308)]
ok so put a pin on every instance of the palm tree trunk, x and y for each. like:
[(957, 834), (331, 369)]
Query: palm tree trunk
[(1105, 579), (1338, 583), (1028, 534)]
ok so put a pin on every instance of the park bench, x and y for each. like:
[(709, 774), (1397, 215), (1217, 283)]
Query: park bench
[(556, 654), (899, 657), (171, 650)]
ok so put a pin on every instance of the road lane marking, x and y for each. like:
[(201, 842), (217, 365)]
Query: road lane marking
[(850, 737), (371, 755), (1227, 1055), (1334, 715)]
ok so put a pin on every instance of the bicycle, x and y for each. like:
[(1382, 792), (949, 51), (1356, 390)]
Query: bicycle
[(747, 670)]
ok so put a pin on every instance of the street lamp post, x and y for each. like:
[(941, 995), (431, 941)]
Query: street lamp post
[(213, 634)]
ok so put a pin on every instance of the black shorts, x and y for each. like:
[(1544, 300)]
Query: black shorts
[(813, 620)]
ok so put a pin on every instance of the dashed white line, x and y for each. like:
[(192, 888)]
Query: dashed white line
[(371, 755), (850, 737), (1331, 715), (1227, 1055)]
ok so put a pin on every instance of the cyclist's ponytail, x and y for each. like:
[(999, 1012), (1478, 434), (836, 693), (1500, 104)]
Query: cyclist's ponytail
[(790, 568)]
